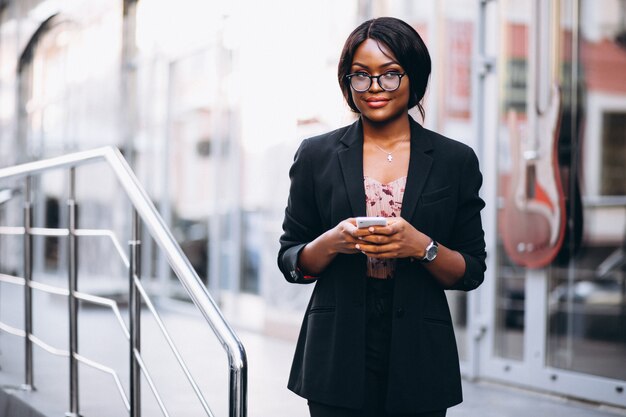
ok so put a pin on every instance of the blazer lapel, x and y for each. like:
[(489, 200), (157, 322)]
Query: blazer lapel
[(351, 162), (419, 168)]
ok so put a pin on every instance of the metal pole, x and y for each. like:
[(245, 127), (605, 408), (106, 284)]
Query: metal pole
[(28, 294), (163, 268), (238, 381), (483, 67), (129, 57), (134, 310), (73, 302)]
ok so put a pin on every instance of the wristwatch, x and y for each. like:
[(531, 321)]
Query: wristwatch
[(431, 252)]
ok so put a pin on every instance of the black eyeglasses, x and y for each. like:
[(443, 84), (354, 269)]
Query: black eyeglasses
[(361, 81)]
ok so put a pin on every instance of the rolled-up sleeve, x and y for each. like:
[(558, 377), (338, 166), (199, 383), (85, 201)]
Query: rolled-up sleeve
[(302, 220), (469, 237)]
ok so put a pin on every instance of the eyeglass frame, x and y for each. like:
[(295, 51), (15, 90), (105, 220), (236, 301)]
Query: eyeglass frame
[(377, 77)]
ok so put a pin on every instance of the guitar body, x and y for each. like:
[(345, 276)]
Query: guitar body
[(532, 221)]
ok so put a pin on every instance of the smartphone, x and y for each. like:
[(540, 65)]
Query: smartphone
[(364, 222)]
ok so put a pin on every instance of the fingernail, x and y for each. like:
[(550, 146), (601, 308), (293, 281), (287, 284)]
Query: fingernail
[(371, 229), (358, 246)]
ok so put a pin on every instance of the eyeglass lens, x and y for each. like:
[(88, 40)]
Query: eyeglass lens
[(363, 82)]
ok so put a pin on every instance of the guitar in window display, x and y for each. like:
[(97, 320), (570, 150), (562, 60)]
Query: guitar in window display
[(533, 216)]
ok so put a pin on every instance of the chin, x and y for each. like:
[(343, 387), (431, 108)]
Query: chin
[(383, 117)]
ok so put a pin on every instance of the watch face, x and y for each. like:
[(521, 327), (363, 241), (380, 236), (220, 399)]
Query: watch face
[(431, 252)]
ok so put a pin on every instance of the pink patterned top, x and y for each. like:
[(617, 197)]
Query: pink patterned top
[(383, 200)]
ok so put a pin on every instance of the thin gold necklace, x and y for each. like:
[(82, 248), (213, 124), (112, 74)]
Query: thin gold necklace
[(389, 154)]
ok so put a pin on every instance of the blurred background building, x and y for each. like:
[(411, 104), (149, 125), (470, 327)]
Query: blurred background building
[(208, 101)]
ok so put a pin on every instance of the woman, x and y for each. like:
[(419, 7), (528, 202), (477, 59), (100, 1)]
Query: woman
[(377, 337)]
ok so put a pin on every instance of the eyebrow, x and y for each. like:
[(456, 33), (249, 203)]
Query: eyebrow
[(387, 64)]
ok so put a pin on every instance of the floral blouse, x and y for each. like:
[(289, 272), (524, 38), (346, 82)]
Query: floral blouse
[(383, 200)]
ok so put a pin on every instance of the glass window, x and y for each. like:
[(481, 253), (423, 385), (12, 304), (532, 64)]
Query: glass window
[(587, 287), (511, 281), (613, 179)]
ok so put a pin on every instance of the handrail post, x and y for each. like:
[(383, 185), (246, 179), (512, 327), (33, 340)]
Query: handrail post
[(238, 380), (72, 301), (134, 311), (28, 293)]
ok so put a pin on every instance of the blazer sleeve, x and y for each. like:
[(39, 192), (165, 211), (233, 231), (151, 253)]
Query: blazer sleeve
[(469, 237), (302, 222)]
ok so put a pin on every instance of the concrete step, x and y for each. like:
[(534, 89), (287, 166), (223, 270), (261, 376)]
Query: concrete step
[(11, 405)]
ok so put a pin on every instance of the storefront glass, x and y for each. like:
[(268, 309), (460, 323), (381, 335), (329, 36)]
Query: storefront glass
[(562, 183), (587, 289), (456, 24), (511, 281)]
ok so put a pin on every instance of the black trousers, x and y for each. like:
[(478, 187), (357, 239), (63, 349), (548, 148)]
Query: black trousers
[(321, 410), (376, 388), (378, 337)]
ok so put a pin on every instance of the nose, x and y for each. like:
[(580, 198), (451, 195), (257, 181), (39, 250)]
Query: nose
[(375, 86)]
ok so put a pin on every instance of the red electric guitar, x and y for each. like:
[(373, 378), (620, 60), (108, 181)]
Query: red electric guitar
[(533, 217)]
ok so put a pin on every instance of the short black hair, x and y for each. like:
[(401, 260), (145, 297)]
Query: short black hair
[(405, 43)]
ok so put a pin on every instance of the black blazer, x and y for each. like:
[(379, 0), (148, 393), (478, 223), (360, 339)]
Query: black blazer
[(441, 200)]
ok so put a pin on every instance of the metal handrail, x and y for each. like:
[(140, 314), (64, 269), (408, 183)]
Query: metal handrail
[(138, 360), (114, 308), (62, 232), (61, 352), (178, 261)]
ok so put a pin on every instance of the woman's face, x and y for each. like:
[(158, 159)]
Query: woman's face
[(376, 104)]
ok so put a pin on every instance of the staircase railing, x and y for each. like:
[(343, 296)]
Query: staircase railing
[(144, 213)]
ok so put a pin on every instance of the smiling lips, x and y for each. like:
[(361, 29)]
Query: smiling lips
[(376, 102)]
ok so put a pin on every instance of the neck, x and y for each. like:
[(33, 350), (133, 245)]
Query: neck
[(389, 132)]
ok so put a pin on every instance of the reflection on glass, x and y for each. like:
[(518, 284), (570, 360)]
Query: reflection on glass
[(455, 117), (510, 286), (510, 299), (587, 295)]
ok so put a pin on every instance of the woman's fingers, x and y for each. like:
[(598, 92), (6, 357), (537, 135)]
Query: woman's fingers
[(375, 239), (391, 241), (389, 250)]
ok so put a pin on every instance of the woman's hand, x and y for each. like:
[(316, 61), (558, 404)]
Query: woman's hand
[(317, 254), (399, 239), (344, 237)]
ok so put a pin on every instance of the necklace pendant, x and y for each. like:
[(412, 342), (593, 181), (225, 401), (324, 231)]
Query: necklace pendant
[(389, 157)]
